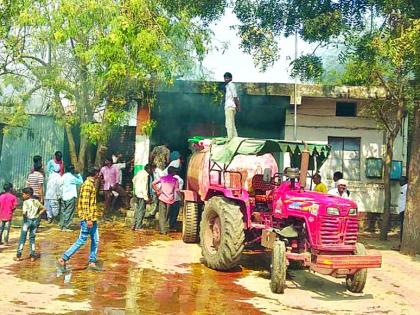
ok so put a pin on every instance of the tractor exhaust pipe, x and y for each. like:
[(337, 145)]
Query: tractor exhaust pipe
[(304, 164)]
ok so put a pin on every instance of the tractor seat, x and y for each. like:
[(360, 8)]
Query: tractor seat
[(260, 188), (259, 185)]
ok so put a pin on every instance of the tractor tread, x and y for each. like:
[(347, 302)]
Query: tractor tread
[(232, 239), (190, 222), (356, 283)]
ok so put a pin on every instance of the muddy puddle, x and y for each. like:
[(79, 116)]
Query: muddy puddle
[(142, 273), (147, 273)]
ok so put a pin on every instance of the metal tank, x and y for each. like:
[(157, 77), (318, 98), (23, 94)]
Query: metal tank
[(247, 166)]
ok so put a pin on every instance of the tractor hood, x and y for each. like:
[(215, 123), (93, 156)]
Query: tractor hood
[(312, 197)]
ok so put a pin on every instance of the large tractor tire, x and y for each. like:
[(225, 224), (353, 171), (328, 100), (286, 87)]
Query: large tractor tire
[(222, 233), (355, 283), (278, 267), (190, 216)]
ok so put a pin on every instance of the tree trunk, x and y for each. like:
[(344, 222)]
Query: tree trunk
[(72, 145), (411, 232), (387, 187), (82, 153), (100, 154)]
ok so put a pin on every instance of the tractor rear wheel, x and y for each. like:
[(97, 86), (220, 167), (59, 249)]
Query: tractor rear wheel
[(355, 283), (278, 267), (222, 233), (190, 215)]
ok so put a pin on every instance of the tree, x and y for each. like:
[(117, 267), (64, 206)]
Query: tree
[(411, 235), (377, 38), (99, 57)]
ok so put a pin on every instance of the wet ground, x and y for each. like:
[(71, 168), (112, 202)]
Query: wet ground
[(146, 273)]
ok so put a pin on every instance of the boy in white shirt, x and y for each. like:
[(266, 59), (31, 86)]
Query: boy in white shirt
[(32, 210)]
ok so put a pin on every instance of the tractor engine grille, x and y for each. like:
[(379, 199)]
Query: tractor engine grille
[(338, 230)]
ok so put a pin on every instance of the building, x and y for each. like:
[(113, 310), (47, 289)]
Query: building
[(358, 145)]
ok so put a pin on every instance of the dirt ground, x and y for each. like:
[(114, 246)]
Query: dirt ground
[(146, 273)]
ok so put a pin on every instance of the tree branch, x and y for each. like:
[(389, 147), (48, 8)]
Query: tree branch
[(36, 59), (384, 120), (385, 84)]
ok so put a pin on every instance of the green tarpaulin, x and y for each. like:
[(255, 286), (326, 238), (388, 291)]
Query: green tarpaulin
[(223, 152)]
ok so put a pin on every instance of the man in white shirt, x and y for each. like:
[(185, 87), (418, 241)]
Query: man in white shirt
[(341, 190), (175, 161), (231, 106), (402, 200), (53, 193), (142, 182)]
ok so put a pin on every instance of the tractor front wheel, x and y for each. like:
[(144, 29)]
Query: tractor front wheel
[(278, 267), (355, 283), (190, 219), (222, 233)]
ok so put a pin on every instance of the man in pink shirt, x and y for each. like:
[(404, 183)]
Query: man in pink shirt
[(167, 188), (111, 176), (8, 203)]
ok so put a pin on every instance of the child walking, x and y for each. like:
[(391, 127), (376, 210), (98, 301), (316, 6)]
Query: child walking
[(8, 203), (32, 210)]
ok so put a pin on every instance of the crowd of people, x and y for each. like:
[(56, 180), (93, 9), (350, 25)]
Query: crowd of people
[(159, 184), (58, 202), (66, 192)]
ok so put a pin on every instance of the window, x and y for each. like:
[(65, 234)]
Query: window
[(345, 109), (345, 157)]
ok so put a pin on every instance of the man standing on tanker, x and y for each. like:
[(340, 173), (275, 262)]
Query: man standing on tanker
[(231, 106)]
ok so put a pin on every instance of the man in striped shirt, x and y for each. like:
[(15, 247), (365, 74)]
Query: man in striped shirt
[(36, 182), (88, 214)]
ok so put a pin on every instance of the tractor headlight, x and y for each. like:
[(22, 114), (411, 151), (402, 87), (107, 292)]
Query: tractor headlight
[(333, 211), (353, 211)]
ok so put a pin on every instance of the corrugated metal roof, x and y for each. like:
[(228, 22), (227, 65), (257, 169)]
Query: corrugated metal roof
[(42, 136)]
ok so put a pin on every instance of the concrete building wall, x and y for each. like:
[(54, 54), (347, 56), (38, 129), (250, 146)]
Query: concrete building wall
[(317, 121)]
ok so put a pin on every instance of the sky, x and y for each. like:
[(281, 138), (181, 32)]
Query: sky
[(240, 64)]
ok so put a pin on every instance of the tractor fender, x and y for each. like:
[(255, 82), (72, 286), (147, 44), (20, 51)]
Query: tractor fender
[(190, 195), (242, 200)]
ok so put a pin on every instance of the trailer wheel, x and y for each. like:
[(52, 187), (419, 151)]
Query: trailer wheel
[(278, 267), (222, 233), (355, 283), (190, 215)]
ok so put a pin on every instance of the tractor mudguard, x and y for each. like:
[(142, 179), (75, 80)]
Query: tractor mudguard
[(190, 195)]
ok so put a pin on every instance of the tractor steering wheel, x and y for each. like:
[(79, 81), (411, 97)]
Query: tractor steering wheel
[(276, 179)]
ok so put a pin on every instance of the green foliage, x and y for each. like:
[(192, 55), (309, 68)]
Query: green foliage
[(148, 126), (98, 56), (342, 21), (213, 89), (307, 68), (12, 113)]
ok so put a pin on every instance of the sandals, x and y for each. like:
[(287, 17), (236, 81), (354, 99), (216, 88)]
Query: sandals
[(93, 267)]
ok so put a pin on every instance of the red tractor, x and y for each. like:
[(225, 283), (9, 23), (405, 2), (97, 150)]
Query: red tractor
[(235, 197)]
